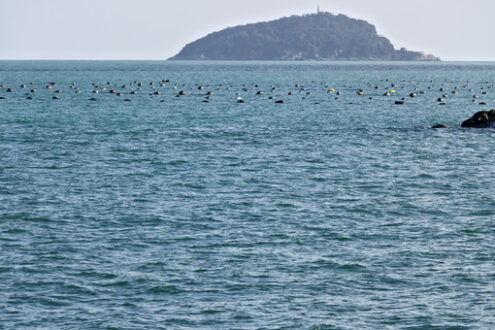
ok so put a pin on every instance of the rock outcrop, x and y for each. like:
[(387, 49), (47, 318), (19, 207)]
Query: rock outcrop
[(482, 119)]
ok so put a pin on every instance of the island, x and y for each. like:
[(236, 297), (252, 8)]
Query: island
[(320, 36)]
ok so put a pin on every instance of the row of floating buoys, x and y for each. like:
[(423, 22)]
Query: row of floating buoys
[(113, 88)]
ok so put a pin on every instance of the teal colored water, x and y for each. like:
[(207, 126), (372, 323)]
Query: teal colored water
[(315, 213)]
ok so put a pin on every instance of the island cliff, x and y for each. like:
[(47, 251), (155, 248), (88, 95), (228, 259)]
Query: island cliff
[(321, 36)]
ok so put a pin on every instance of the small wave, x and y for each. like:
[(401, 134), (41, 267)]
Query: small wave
[(167, 289)]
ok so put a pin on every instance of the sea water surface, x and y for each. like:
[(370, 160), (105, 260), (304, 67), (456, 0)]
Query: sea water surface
[(166, 212)]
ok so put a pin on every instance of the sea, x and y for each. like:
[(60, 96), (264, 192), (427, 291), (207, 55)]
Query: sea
[(182, 195)]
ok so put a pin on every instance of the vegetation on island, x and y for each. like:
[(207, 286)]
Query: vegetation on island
[(321, 36)]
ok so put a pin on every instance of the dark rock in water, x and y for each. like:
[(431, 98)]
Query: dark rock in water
[(399, 102), (482, 103), (92, 99), (2, 98), (482, 119), (127, 100), (439, 126), (240, 101), (279, 101)]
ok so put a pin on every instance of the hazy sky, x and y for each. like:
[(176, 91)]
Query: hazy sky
[(158, 29)]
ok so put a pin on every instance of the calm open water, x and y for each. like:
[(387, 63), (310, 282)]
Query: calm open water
[(317, 213)]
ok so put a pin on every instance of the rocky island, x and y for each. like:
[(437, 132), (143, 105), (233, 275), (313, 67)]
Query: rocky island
[(320, 36)]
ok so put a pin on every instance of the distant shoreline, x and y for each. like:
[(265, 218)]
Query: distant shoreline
[(245, 61)]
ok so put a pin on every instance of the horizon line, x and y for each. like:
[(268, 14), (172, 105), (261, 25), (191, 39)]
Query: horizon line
[(206, 61)]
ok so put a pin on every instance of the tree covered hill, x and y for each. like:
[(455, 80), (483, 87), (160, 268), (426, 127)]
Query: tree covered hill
[(321, 36)]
